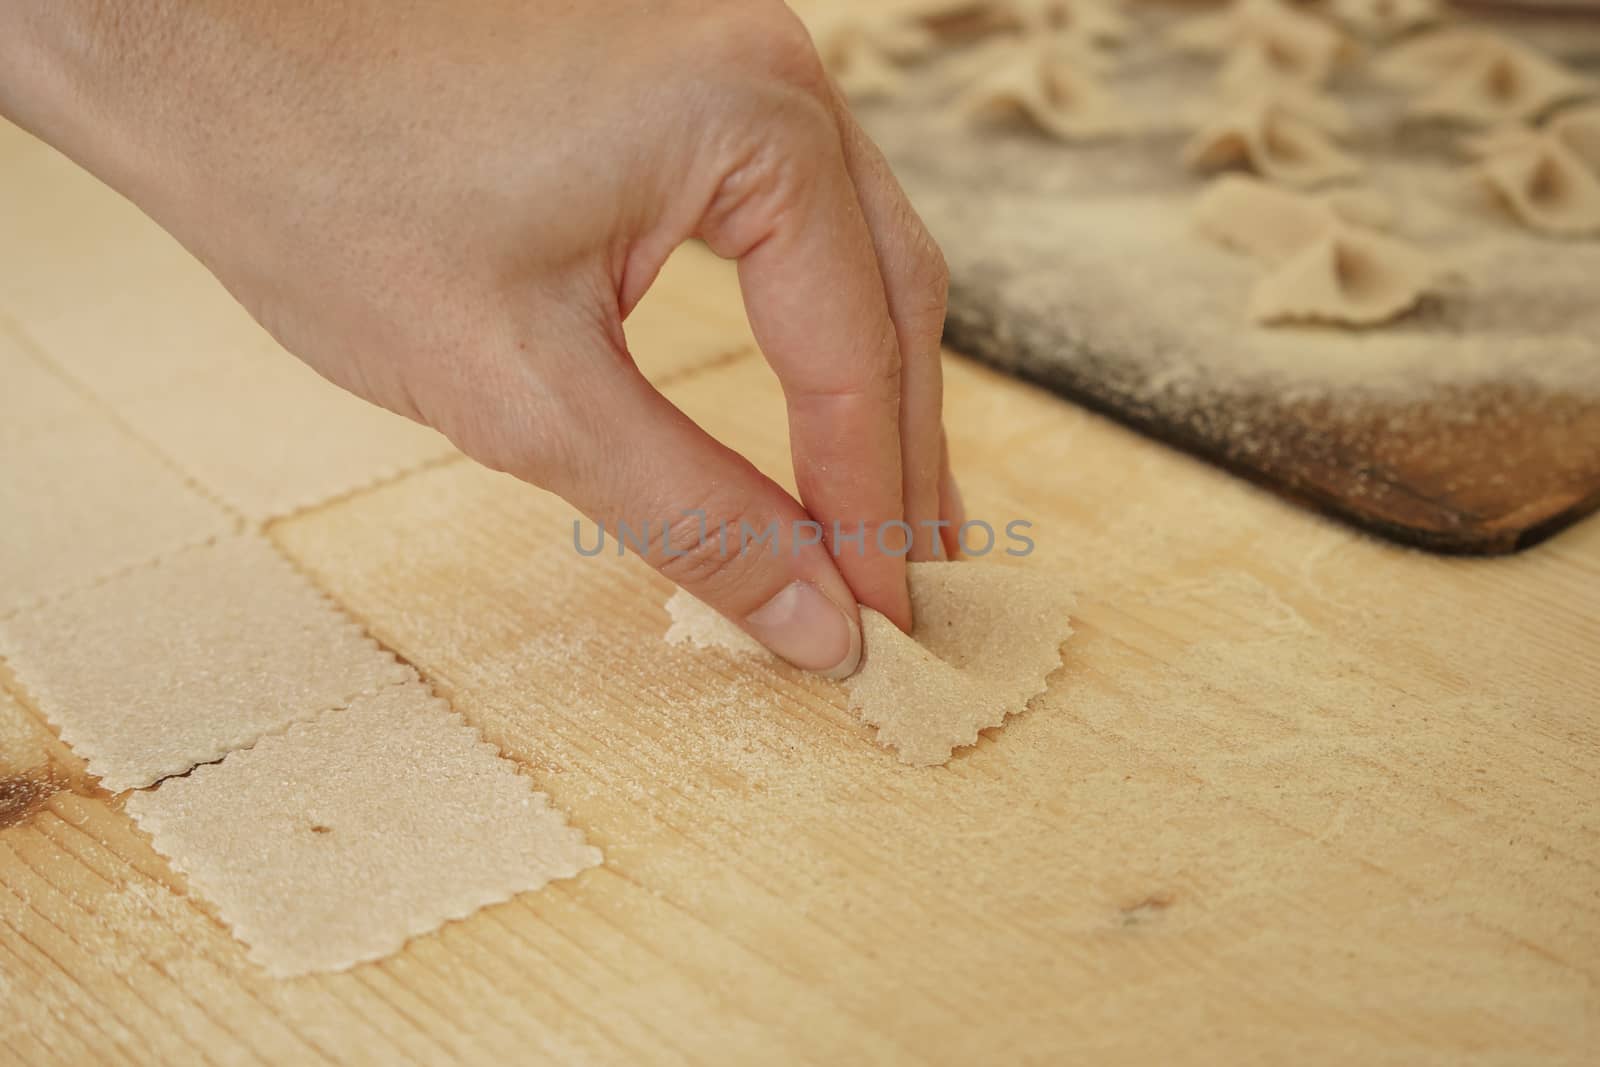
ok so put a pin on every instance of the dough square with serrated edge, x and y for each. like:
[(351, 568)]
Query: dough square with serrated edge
[(183, 660), (35, 399), (984, 640), (344, 837), (85, 500), (269, 436)]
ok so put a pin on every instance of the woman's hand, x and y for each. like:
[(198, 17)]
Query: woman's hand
[(450, 207)]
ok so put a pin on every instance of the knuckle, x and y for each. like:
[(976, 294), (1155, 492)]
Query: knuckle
[(770, 40), (771, 172), (777, 126), (509, 431), (699, 560)]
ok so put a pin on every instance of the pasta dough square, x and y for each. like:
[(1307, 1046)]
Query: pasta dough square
[(35, 399), (346, 836), (985, 640), (180, 662), (269, 436), (131, 341), (84, 501)]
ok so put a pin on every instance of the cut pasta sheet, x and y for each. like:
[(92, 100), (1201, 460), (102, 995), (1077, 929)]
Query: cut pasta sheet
[(986, 638), (339, 840), (181, 661), (35, 399), (270, 436), (83, 501)]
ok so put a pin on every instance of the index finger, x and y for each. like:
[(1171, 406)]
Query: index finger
[(817, 305)]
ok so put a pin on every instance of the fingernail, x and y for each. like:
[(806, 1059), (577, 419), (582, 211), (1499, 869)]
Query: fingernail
[(809, 630)]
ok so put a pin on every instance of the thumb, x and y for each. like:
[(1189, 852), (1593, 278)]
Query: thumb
[(706, 518)]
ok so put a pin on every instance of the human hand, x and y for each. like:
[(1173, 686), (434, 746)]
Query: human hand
[(450, 208)]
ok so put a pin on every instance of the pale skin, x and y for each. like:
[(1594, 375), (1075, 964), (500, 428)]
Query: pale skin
[(449, 207)]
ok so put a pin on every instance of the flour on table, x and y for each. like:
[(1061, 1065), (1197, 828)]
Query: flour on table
[(344, 837), (986, 638)]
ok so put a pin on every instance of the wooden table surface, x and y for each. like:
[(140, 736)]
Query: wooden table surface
[(1295, 796)]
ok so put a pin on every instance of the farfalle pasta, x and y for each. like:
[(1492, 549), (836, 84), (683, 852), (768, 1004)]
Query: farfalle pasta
[(1348, 276), (1050, 87), (1265, 38), (1543, 183), (1471, 76), (1266, 138)]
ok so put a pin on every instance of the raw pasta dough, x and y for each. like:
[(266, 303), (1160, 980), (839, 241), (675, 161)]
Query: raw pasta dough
[(1348, 276), (1262, 220), (1578, 131), (857, 53), (339, 840), (1052, 88), (1383, 19), (985, 640), (1420, 61), (1267, 35), (1545, 184), (1266, 138), (1092, 22), (1327, 267), (180, 661), (1470, 76)]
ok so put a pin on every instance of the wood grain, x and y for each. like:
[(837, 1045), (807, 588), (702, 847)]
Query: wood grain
[(1296, 795)]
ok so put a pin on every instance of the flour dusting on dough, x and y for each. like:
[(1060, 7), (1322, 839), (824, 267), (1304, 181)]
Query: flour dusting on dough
[(985, 640)]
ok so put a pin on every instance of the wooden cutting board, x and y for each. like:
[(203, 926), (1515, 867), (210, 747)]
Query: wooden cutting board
[(1472, 426)]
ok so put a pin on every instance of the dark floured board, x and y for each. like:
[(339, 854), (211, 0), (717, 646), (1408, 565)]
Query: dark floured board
[(1488, 468), (1472, 426)]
